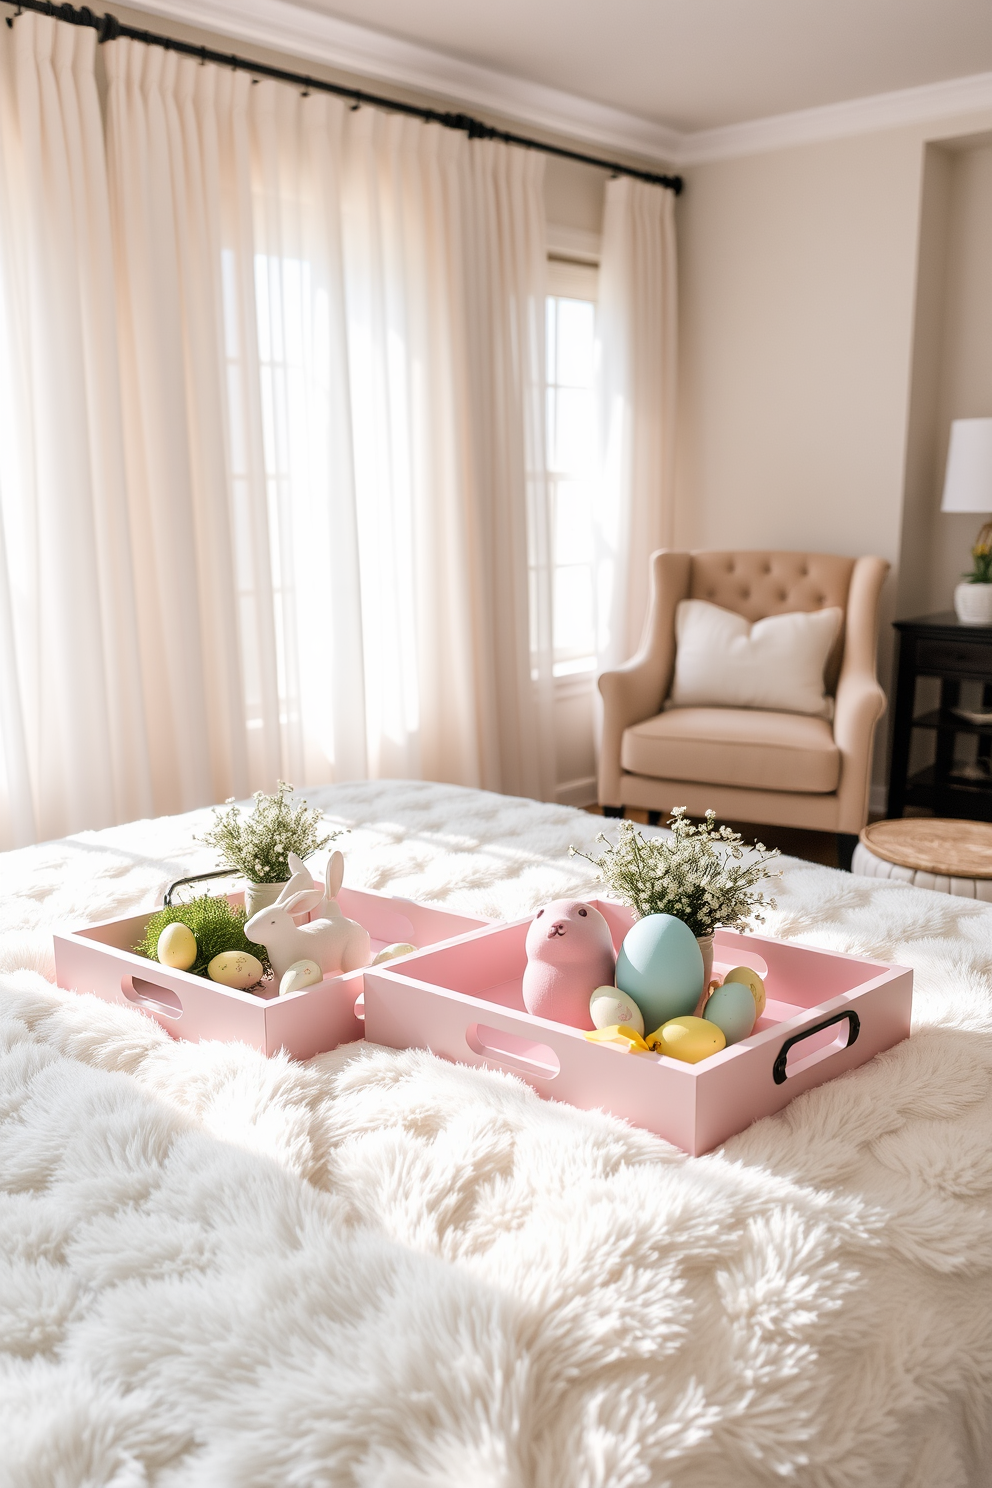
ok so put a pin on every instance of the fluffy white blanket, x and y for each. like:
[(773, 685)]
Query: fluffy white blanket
[(381, 1269)]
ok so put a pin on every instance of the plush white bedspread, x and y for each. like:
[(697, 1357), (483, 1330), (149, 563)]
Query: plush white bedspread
[(381, 1269)]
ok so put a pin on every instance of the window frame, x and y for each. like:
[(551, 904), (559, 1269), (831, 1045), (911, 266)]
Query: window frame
[(573, 279)]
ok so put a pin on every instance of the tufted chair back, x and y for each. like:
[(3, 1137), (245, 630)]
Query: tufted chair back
[(757, 584)]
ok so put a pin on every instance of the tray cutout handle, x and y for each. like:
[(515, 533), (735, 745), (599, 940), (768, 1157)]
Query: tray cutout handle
[(781, 1070), (150, 995), (522, 1055)]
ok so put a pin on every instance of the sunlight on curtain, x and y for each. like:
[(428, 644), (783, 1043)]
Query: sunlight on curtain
[(271, 452), (73, 734), (291, 235)]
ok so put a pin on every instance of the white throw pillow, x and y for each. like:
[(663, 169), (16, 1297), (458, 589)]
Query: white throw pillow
[(723, 661)]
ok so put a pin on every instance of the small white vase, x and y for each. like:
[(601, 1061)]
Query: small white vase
[(973, 603), (705, 944), (260, 896)]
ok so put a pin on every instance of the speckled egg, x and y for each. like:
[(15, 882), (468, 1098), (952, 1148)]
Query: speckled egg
[(301, 974), (237, 969), (749, 978), (177, 947), (731, 1007), (608, 1007), (689, 1039), (660, 966), (390, 952)]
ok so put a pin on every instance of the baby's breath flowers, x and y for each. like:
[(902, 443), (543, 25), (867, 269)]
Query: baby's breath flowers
[(703, 874), (259, 845)]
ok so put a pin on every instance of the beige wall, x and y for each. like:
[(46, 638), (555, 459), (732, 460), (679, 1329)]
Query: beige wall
[(952, 372), (799, 320), (798, 275)]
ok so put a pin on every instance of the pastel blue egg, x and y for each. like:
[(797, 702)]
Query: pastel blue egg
[(732, 1009), (661, 967)]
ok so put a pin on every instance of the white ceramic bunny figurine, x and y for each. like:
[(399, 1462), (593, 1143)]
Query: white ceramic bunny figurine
[(328, 908), (336, 944)]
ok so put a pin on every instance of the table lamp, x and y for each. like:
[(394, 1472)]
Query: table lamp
[(968, 488)]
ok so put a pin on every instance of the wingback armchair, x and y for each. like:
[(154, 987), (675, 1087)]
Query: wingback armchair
[(783, 769)]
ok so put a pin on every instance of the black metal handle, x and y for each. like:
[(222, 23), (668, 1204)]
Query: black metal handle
[(198, 878), (779, 1074)]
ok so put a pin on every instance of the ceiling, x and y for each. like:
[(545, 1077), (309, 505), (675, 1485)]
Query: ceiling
[(699, 64)]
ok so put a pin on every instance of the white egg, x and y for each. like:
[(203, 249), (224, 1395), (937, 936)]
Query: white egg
[(398, 948), (177, 946), (608, 1007), (300, 974), (235, 969)]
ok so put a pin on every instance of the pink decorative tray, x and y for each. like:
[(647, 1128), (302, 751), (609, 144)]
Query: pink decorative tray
[(99, 959), (826, 1013)]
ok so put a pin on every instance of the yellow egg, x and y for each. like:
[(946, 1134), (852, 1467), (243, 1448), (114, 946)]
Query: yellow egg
[(690, 1039), (300, 974), (235, 969), (177, 946), (750, 979), (399, 948)]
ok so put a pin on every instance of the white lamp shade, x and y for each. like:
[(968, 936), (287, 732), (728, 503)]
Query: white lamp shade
[(968, 482)]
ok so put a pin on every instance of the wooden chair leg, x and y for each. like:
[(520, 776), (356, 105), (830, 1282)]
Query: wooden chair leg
[(846, 843), (613, 811)]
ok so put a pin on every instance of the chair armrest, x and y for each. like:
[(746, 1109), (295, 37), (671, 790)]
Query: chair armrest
[(638, 689), (860, 701)]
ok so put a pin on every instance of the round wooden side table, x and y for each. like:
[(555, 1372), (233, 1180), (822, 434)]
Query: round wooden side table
[(953, 857)]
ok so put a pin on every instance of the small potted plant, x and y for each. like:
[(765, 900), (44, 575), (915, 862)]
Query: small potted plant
[(702, 874), (258, 845), (973, 596)]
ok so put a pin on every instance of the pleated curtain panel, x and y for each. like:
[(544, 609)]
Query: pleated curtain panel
[(637, 332), (272, 467)]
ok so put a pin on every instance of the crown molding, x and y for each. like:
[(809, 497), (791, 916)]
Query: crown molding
[(929, 104), (287, 27)]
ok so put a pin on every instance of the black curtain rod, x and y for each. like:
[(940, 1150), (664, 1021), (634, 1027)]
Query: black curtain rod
[(109, 28)]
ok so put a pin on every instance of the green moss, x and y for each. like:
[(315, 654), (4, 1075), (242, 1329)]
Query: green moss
[(217, 926)]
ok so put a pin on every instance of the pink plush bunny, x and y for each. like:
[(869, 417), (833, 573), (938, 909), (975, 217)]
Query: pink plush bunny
[(569, 954)]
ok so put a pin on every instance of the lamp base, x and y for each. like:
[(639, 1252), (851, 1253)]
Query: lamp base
[(973, 603)]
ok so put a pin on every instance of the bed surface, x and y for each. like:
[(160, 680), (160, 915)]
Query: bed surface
[(379, 1269)]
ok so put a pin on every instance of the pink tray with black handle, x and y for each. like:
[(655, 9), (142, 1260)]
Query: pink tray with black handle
[(99, 958), (826, 1013)]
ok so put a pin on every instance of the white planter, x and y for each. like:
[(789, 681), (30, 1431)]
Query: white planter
[(260, 896), (973, 603)]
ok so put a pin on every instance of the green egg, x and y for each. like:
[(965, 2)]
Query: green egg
[(731, 1007)]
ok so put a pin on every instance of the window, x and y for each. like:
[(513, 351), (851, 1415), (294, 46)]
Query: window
[(571, 424)]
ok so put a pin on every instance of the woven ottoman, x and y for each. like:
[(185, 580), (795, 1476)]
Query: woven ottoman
[(953, 857)]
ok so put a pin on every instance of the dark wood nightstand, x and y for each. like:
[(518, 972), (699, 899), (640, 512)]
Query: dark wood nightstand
[(940, 646)]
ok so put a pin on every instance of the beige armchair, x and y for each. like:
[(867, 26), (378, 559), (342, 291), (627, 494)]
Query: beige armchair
[(783, 769)]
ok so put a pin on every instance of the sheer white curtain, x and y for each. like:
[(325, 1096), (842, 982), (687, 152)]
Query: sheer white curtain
[(399, 293), (163, 150), (637, 335), (272, 480), (74, 737), (446, 258), (505, 319)]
